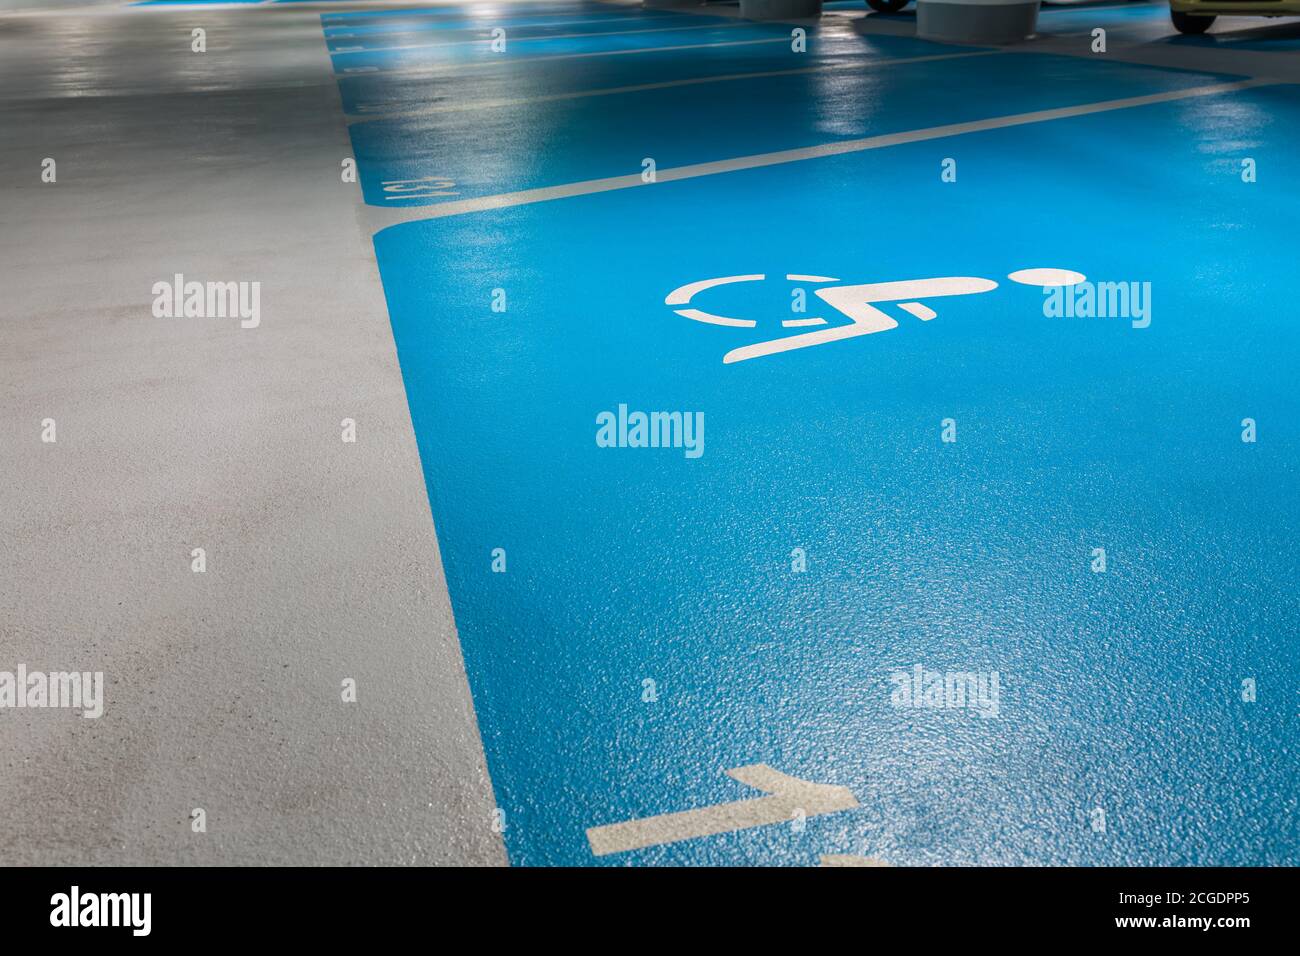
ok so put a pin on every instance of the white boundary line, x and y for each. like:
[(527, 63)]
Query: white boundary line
[(633, 180)]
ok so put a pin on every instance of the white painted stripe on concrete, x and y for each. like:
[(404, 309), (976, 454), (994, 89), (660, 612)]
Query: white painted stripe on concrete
[(631, 180)]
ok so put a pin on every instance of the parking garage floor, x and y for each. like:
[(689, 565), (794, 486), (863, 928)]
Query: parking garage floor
[(981, 362)]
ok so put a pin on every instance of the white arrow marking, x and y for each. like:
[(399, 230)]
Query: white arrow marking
[(786, 795)]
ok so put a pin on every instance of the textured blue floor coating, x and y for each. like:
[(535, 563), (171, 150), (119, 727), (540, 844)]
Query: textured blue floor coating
[(413, 31), (1136, 22), (1107, 16), (372, 93), (469, 55), (475, 9), (572, 140), (429, 24), (1119, 691), (462, 41)]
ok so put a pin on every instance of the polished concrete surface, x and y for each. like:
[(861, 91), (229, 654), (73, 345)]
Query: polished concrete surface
[(225, 687), (523, 171)]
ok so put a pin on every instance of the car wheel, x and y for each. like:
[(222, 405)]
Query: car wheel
[(887, 6), (1189, 22)]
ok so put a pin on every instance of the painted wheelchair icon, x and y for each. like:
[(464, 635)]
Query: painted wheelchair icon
[(858, 303)]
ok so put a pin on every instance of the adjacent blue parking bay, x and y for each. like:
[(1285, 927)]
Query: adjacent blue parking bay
[(530, 144), (411, 31), (1280, 38), (469, 55), (650, 631), (369, 92), (1149, 22), (470, 10)]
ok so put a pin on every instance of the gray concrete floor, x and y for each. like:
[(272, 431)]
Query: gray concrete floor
[(223, 688)]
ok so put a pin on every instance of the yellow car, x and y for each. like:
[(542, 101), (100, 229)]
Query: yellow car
[(1195, 16)]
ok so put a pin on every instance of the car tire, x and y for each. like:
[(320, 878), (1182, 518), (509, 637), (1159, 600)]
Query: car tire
[(887, 6), (1189, 22)]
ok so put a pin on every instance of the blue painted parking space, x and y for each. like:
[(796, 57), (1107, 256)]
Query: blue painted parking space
[(524, 34), (452, 12), (1127, 23), (1138, 22), (630, 565), (403, 31), (369, 92), (1119, 21), (1110, 15), (460, 56), (530, 145)]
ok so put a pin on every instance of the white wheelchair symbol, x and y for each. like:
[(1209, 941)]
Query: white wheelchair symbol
[(856, 302)]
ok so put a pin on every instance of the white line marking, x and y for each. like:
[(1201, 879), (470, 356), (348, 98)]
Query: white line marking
[(485, 39), (631, 180), (855, 64), (786, 795)]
